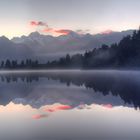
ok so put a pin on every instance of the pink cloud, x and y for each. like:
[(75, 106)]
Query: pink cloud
[(63, 31), (38, 23), (47, 29), (107, 106), (57, 108), (39, 116), (33, 23), (64, 107)]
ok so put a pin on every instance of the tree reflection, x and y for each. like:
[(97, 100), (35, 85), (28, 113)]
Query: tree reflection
[(118, 84)]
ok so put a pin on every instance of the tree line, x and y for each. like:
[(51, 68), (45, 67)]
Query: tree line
[(125, 54), (14, 64)]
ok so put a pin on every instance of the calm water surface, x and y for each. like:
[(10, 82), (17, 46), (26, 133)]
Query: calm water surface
[(70, 105)]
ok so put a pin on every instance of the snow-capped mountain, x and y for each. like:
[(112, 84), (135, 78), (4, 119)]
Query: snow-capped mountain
[(45, 47)]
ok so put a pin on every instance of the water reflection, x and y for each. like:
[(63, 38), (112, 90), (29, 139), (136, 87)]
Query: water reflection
[(98, 122), (70, 105), (74, 88)]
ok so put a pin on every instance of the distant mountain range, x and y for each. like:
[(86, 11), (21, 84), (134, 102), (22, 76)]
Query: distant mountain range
[(46, 47)]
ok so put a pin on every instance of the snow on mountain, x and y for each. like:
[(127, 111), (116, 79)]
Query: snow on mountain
[(45, 47)]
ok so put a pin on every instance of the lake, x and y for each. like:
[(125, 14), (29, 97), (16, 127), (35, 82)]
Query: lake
[(70, 105)]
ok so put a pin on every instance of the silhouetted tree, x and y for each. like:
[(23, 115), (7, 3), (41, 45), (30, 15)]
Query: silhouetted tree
[(22, 63), (8, 64), (2, 64)]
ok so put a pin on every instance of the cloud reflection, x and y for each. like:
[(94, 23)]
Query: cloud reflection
[(107, 88), (107, 106), (39, 116), (55, 108)]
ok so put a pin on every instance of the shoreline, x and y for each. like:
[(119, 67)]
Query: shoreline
[(64, 70)]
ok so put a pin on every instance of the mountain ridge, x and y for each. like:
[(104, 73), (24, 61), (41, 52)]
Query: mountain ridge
[(40, 46)]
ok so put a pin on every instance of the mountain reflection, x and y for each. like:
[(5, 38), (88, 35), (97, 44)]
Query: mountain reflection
[(41, 88)]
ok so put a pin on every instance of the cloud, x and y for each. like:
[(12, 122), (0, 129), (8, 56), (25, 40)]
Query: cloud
[(64, 107), (109, 106), (63, 31), (38, 23), (60, 32), (58, 108), (39, 116), (48, 29)]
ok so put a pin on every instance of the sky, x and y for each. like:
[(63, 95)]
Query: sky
[(91, 16)]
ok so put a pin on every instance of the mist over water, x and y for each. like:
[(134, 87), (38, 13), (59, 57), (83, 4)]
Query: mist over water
[(69, 104)]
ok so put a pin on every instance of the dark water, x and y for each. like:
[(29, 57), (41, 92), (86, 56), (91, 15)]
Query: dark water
[(70, 105)]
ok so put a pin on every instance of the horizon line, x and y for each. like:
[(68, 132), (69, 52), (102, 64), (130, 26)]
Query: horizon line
[(109, 31)]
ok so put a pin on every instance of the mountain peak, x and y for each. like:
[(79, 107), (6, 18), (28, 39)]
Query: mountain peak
[(71, 34), (34, 34), (107, 32), (3, 38)]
